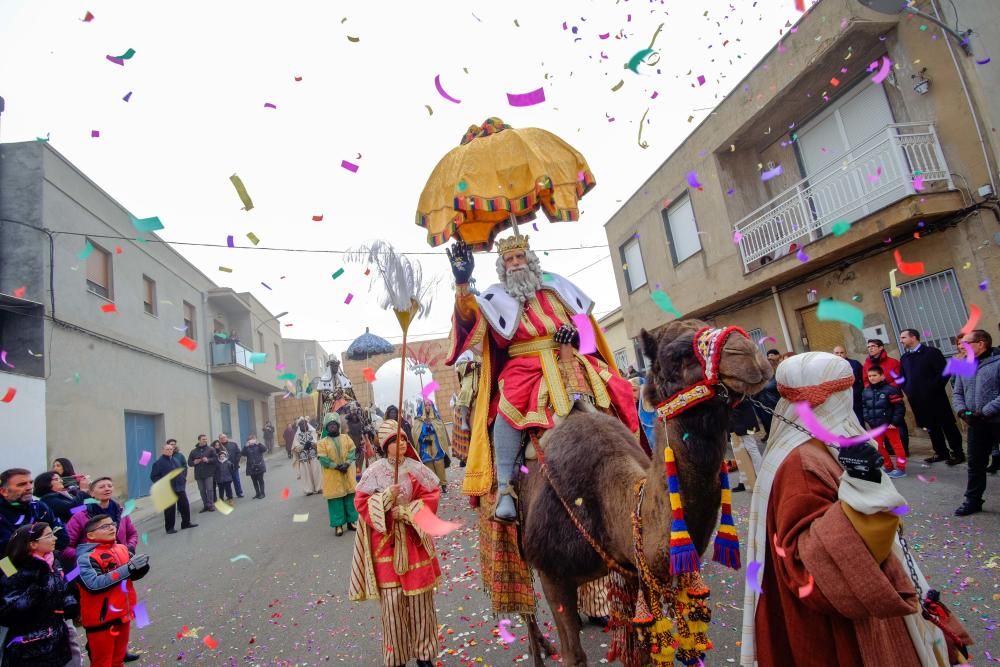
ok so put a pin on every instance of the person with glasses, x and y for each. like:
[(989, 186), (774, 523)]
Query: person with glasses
[(107, 596), (893, 372), (36, 603), (976, 399), (101, 489)]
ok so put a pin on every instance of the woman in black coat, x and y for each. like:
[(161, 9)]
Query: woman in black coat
[(50, 490), (35, 602)]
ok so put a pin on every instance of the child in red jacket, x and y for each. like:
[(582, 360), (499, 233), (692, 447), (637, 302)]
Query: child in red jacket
[(105, 603)]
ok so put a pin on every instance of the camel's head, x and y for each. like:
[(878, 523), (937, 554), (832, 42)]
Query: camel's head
[(743, 369)]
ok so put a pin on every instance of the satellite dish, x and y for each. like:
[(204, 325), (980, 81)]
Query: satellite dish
[(885, 6), (894, 7)]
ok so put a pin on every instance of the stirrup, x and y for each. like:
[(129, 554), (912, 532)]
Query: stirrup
[(509, 491)]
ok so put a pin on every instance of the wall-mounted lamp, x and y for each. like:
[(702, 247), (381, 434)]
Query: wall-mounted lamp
[(921, 83)]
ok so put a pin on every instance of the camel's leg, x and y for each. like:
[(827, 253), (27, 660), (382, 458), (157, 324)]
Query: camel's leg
[(561, 596), (541, 647)]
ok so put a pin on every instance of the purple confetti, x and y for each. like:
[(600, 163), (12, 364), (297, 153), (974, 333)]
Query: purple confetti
[(230, 241), (78, 508), (983, 286), (127, 97), (141, 615), (902, 510), (73, 574), (94, 134), (753, 576), (692, 179), (701, 79), (802, 256), (116, 60), (349, 166), (771, 173), (350, 297), (267, 286), (267, 105)]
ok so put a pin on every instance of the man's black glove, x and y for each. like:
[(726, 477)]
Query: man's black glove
[(462, 262), (567, 335), (862, 462)]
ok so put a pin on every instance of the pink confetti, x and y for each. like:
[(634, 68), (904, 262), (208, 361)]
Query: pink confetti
[(812, 424), (927, 480), (753, 576), (767, 339), (430, 523), (350, 297), (877, 175), (349, 166), (524, 470), (94, 134), (974, 314), (701, 79), (737, 236), (279, 367), (430, 388), (883, 71), (526, 99), (441, 91), (806, 591), (918, 183), (3, 358), (778, 550), (588, 341), (145, 458), (505, 634)]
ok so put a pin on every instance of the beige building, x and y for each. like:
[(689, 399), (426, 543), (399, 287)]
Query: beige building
[(306, 358), (622, 347), (810, 178), (92, 315)]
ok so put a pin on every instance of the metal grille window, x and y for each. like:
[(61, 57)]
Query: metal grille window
[(933, 305), (756, 335), (621, 359)]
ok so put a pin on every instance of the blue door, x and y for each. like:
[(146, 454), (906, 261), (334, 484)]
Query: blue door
[(245, 410), (227, 421), (140, 436)]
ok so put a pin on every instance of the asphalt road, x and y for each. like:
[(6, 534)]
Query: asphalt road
[(271, 591)]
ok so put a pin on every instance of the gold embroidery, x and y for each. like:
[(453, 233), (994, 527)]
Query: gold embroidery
[(557, 389), (532, 346), (536, 416), (550, 325), (526, 321)]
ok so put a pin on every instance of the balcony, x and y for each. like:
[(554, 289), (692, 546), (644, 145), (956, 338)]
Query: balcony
[(852, 186), (231, 361)]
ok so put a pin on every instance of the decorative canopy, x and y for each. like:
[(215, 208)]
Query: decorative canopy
[(498, 172), (368, 345)]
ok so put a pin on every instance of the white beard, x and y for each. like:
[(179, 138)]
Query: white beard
[(522, 283)]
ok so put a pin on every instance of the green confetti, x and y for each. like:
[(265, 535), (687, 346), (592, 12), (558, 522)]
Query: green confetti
[(145, 538), (240, 557), (258, 357), (339, 272), (88, 248), (463, 186), (831, 309), (633, 63), (126, 56), (288, 376), (129, 507), (661, 299), (841, 227), (90, 501), (146, 224)]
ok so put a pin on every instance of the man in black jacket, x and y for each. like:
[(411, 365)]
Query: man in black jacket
[(19, 508), (163, 466), (234, 453), (204, 460), (924, 386)]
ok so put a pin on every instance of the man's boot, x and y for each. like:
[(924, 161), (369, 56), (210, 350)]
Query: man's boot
[(506, 508), (506, 443)]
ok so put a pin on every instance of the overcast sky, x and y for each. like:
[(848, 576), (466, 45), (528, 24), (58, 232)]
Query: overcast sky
[(203, 71)]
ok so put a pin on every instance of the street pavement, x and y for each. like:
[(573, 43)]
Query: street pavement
[(257, 588)]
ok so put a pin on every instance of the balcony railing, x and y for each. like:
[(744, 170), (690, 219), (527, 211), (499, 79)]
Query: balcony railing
[(228, 354), (853, 185)]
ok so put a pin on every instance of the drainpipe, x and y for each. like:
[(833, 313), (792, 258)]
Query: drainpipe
[(781, 318), (208, 361)]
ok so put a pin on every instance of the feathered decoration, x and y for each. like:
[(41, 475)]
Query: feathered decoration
[(402, 278)]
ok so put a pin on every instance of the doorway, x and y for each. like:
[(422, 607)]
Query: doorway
[(820, 335), (245, 415), (140, 436)]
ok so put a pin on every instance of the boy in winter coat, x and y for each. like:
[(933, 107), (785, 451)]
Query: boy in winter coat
[(224, 472), (105, 604), (882, 403)]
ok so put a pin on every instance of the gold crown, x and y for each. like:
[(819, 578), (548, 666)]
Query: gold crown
[(516, 242)]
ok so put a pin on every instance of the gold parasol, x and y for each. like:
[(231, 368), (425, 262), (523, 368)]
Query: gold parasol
[(500, 176)]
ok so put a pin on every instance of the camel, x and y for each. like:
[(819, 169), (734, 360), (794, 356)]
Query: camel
[(595, 463)]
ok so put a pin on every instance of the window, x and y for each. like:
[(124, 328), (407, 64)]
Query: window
[(189, 321), (641, 362), (99, 271), (277, 354), (621, 359), (635, 272), (756, 335), (933, 305), (681, 228), (149, 295), (260, 341)]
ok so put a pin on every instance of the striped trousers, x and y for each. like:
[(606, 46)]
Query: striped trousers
[(409, 627)]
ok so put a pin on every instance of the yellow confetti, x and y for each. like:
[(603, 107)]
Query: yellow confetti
[(162, 493), (223, 507), (429, 110), (225, 269), (253, 238), (353, 39), (893, 290), (241, 190), (618, 85), (7, 567), (967, 265), (300, 518), (578, 501)]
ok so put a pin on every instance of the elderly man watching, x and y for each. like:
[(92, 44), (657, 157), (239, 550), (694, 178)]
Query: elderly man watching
[(977, 402)]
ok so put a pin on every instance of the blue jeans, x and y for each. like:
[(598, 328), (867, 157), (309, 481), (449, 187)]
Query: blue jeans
[(236, 481)]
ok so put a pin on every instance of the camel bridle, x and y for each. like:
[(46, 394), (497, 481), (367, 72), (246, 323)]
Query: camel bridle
[(708, 343)]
